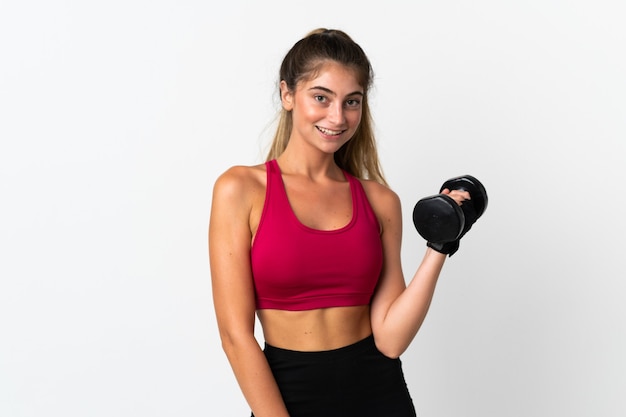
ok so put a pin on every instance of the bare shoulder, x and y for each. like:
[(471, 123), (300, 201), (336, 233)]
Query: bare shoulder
[(240, 182), (385, 203), (380, 196)]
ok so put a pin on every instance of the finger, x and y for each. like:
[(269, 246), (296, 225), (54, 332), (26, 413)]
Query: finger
[(465, 195)]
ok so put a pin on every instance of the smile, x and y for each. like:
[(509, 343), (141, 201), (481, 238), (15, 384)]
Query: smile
[(330, 132)]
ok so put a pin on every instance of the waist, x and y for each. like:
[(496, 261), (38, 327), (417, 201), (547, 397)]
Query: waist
[(315, 330), (365, 344)]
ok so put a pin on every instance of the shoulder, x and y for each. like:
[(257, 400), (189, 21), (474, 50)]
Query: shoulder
[(240, 184), (384, 201), (240, 179), (379, 194)]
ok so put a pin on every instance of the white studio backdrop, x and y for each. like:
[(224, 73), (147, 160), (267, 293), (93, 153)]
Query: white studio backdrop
[(117, 117)]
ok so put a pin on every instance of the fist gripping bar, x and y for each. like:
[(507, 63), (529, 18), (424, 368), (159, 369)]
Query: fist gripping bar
[(442, 222)]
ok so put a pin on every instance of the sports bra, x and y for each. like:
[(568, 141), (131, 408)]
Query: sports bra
[(296, 267)]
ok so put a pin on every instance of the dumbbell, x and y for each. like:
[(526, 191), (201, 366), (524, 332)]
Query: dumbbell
[(442, 222)]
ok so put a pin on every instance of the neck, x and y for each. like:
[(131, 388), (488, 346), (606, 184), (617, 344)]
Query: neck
[(312, 166)]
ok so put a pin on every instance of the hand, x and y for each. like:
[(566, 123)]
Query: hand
[(442, 222), (457, 195)]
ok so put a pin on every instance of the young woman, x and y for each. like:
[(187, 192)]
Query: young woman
[(310, 242)]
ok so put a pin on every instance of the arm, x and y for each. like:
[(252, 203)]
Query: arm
[(233, 291), (398, 310)]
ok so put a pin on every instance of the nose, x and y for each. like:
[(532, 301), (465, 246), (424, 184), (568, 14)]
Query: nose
[(336, 114)]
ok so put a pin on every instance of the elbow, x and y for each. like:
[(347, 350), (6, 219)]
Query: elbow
[(389, 348), (234, 342), (228, 342)]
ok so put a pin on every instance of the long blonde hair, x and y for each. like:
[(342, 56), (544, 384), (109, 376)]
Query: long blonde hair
[(359, 156)]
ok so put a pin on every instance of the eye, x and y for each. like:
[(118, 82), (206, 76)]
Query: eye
[(353, 102), (319, 98)]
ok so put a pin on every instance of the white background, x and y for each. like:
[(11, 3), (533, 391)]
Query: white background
[(116, 118)]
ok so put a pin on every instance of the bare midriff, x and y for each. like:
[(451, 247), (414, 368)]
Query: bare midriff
[(315, 330)]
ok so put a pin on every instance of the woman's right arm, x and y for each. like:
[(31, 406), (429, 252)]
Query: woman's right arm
[(233, 290)]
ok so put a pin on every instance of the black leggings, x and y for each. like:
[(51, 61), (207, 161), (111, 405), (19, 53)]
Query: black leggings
[(353, 381)]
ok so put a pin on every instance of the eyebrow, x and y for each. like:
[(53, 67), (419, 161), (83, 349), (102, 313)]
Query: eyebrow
[(329, 91)]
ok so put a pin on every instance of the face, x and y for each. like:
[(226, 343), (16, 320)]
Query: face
[(326, 110)]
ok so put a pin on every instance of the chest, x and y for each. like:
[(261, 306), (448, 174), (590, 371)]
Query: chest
[(319, 207)]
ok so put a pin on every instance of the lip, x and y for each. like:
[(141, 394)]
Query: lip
[(330, 133)]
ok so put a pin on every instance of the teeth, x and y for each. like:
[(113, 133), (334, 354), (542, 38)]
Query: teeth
[(328, 131)]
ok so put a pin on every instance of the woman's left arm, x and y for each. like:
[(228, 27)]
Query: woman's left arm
[(398, 310)]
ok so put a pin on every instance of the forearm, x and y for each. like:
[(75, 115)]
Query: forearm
[(408, 311), (255, 377)]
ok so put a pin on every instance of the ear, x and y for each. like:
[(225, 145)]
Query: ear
[(286, 96)]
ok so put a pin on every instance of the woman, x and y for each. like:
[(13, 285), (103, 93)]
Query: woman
[(310, 242)]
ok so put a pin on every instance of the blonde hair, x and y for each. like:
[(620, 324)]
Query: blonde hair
[(359, 156)]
